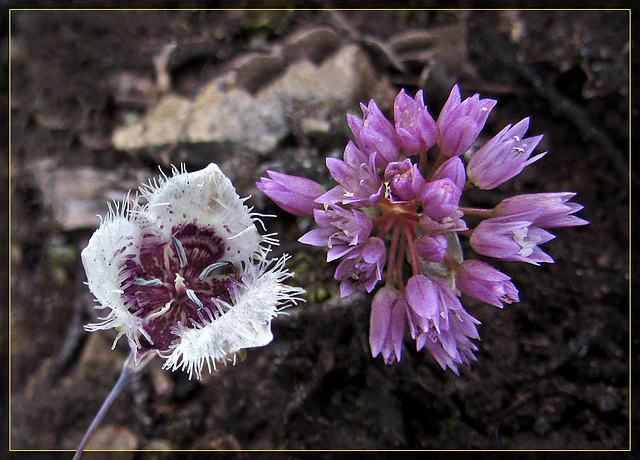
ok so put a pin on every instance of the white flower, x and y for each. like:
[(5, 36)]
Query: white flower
[(185, 274)]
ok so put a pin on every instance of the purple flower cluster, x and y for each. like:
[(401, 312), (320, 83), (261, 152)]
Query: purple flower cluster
[(397, 203)]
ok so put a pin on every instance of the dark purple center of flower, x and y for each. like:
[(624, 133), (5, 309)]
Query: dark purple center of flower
[(182, 279)]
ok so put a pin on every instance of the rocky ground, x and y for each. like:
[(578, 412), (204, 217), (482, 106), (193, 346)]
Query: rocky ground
[(101, 98)]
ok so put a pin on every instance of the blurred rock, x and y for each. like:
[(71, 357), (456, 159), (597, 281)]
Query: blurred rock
[(314, 125), (56, 117), (164, 125), (96, 359), (344, 78), (447, 44), (157, 449), (240, 169), (77, 195), (161, 380), (113, 437), (313, 44), (226, 114), (222, 115), (133, 90), (97, 135), (224, 442), (253, 70)]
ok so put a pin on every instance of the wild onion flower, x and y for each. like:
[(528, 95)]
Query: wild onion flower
[(395, 219), (184, 273)]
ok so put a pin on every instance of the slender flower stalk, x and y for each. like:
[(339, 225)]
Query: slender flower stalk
[(395, 219), (128, 373)]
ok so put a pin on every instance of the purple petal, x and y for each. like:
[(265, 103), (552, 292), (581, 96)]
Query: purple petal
[(421, 297), (380, 318)]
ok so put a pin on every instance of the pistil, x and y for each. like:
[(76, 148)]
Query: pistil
[(181, 288)]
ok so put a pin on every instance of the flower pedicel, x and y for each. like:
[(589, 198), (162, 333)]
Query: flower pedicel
[(397, 202)]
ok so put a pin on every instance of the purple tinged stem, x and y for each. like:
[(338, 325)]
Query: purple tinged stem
[(477, 212), (128, 373)]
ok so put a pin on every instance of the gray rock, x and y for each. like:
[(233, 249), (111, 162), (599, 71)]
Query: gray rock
[(234, 116), (343, 78), (113, 437), (165, 124), (77, 195), (313, 44), (305, 98), (253, 70)]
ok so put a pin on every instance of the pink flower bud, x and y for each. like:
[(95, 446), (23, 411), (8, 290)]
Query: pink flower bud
[(293, 194), (460, 123), (404, 179), (452, 169), (440, 198), (556, 206), (416, 129), (387, 325), (432, 247), (503, 157)]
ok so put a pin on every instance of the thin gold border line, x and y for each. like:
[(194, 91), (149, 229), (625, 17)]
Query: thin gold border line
[(9, 242), (319, 9), (329, 450), (630, 354), (628, 10)]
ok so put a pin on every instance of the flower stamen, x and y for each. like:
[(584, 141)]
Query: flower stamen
[(158, 313), (153, 282), (192, 296), (520, 237), (213, 267), (179, 250)]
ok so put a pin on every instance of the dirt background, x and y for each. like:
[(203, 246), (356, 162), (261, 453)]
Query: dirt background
[(552, 370)]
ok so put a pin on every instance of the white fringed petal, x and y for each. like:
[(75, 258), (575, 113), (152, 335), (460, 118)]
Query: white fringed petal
[(103, 259), (209, 197), (246, 324)]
